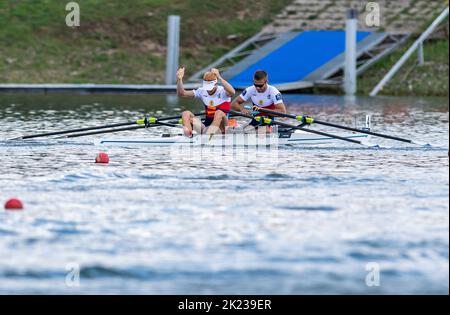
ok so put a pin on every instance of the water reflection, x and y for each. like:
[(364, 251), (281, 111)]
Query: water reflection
[(152, 222)]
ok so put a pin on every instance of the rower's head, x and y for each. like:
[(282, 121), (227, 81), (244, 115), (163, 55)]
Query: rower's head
[(261, 80), (210, 82)]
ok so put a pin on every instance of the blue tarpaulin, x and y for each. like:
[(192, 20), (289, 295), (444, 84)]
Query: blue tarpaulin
[(299, 57)]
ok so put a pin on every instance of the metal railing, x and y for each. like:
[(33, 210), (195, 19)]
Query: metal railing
[(418, 44)]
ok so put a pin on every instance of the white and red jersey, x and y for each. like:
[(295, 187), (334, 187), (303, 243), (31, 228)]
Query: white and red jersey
[(219, 100), (267, 99)]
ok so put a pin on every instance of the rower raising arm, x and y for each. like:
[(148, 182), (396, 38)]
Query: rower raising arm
[(180, 87), (227, 86), (185, 93), (216, 100)]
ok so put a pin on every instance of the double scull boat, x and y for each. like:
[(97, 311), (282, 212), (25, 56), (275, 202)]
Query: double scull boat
[(288, 135), (298, 138)]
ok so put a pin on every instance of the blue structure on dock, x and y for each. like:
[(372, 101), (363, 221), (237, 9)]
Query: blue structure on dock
[(297, 58), (300, 60)]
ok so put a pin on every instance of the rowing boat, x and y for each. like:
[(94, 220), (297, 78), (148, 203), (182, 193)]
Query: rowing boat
[(298, 138), (289, 135)]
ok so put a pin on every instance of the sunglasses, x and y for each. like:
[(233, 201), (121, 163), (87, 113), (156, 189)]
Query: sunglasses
[(260, 86)]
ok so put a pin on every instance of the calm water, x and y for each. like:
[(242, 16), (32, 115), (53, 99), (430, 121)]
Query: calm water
[(305, 220)]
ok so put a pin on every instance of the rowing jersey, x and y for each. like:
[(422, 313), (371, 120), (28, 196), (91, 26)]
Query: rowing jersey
[(267, 99), (219, 100)]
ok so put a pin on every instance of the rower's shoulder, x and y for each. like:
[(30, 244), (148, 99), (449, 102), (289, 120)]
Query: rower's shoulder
[(249, 90), (274, 89)]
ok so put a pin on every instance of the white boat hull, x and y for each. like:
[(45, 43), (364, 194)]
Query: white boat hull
[(236, 140)]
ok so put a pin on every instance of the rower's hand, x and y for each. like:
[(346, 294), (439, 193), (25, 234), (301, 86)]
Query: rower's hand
[(246, 111), (180, 73), (255, 108), (216, 72)]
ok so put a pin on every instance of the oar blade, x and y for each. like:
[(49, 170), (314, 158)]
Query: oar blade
[(16, 139), (375, 146), (426, 145)]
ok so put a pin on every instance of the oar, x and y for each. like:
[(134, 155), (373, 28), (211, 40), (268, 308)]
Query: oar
[(136, 122), (310, 120), (269, 121), (77, 135)]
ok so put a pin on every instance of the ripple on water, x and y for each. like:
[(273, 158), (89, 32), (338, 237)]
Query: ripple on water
[(308, 208), (148, 274), (153, 221)]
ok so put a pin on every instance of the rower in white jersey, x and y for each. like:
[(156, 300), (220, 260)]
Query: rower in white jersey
[(262, 95), (216, 99)]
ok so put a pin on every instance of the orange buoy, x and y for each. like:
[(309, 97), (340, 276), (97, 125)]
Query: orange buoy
[(102, 158), (13, 204)]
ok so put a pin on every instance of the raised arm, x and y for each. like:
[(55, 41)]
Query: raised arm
[(227, 86), (180, 87)]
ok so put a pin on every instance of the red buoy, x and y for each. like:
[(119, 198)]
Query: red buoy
[(102, 158), (13, 204)]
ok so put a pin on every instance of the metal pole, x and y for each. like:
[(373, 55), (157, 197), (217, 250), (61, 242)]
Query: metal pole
[(408, 54), (420, 54), (173, 48), (350, 52)]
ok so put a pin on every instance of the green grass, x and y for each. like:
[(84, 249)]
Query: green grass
[(430, 79), (119, 41)]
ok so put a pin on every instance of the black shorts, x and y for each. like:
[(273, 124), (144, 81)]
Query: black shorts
[(208, 121)]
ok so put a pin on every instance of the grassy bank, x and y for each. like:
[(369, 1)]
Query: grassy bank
[(119, 41), (429, 79)]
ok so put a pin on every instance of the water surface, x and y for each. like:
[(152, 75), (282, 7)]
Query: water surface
[(154, 221)]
